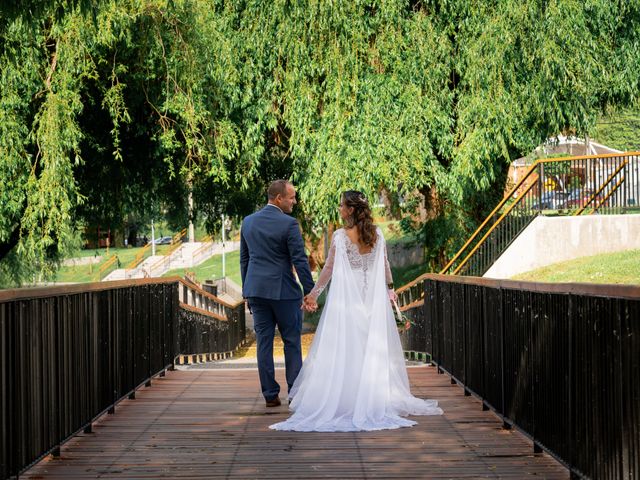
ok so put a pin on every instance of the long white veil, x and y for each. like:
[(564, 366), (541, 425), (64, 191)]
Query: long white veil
[(354, 377)]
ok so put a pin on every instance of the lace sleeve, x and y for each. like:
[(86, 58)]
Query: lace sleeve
[(387, 268), (325, 274)]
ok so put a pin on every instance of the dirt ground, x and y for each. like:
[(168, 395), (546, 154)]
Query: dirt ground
[(249, 351)]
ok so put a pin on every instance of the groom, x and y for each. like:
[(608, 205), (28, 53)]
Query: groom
[(270, 246)]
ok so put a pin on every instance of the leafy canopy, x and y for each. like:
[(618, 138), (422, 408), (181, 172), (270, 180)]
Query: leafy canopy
[(116, 109)]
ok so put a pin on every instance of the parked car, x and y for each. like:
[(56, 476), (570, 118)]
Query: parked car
[(578, 198), (550, 200), (163, 241), (574, 199)]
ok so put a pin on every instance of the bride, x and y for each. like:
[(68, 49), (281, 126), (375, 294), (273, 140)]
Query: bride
[(354, 377)]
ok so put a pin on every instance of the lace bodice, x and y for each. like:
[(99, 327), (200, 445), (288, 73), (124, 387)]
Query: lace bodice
[(357, 260)]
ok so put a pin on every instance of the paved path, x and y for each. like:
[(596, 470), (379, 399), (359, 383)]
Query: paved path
[(213, 424)]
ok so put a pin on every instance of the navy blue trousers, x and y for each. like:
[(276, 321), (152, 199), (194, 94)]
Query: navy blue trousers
[(286, 314)]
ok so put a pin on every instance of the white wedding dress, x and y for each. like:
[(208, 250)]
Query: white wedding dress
[(354, 377)]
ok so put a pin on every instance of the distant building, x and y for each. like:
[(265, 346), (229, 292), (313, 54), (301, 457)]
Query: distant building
[(557, 146)]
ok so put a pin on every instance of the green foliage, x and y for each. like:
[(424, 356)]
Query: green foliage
[(112, 111), (619, 129)]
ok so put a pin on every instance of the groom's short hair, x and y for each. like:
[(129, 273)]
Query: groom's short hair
[(277, 187)]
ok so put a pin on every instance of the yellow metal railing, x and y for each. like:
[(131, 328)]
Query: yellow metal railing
[(107, 267), (487, 220), (139, 257), (206, 243), (525, 200), (176, 242), (602, 187), (600, 179), (177, 238)]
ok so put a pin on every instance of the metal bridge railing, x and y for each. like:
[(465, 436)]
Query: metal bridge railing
[(557, 361), (70, 354)]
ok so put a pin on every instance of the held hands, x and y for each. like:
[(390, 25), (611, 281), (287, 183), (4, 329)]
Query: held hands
[(309, 304), (393, 298)]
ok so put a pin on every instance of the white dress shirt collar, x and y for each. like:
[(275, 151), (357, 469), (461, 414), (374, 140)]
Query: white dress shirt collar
[(274, 206)]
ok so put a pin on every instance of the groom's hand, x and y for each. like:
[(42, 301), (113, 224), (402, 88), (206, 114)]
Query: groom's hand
[(309, 304)]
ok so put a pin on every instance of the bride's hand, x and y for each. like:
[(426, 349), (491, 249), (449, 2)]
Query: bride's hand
[(392, 295), (309, 304)]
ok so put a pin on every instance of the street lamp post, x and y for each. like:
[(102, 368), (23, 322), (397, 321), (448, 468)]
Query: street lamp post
[(153, 240), (224, 264)]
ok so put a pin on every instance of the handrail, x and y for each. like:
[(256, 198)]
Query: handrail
[(175, 244), (412, 291), (206, 243), (106, 265), (587, 157), (486, 220), (178, 236), (613, 290), (608, 195), (493, 227), (513, 192), (200, 290), (506, 198), (202, 311), (172, 248), (76, 288), (411, 284), (603, 186), (139, 257), (414, 304)]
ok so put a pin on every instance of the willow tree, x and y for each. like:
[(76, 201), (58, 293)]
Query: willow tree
[(436, 96), (113, 107), (104, 108)]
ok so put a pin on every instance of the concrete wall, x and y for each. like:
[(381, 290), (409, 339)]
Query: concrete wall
[(400, 255), (549, 240)]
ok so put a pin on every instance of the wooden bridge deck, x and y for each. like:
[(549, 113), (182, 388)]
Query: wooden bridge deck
[(213, 423)]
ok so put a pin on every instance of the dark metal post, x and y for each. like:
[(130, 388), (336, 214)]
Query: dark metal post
[(505, 424)]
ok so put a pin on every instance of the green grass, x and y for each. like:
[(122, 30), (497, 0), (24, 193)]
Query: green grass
[(620, 267), (88, 273), (212, 268), (79, 274)]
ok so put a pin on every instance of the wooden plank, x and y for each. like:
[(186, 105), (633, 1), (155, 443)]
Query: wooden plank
[(213, 423)]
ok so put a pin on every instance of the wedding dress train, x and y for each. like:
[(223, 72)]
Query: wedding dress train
[(354, 377)]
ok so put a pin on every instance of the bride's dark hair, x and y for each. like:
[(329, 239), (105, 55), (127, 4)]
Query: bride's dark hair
[(361, 217)]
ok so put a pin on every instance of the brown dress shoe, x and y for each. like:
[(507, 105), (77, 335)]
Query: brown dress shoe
[(274, 403)]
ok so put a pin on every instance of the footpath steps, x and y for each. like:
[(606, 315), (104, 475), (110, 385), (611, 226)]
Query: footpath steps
[(188, 255)]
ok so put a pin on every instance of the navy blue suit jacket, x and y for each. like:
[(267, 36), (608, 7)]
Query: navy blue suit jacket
[(270, 244)]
